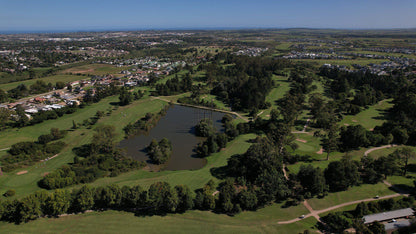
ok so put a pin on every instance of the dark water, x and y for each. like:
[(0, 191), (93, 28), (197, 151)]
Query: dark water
[(177, 126)]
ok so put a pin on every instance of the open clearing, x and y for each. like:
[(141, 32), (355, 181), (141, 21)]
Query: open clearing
[(371, 117), (95, 69), (261, 221)]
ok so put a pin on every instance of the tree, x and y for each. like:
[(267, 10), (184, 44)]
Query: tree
[(338, 222), (340, 175), (377, 227), (247, 199), (74, 125), (162, 198), (29, 208), (125, 97), (205, 128), (185, 198), (353, 137), (312, 179), (84, 199), (330, 142), (58, 202), (404, 154), (280, 134), (160, 152), (3, 96), (387, 165), (60, 85), (5, 115), (103, 139), (227, 194)]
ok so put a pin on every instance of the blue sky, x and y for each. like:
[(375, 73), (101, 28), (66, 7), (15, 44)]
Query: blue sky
[(32, 15)]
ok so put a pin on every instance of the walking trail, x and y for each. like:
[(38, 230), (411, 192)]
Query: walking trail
[(315, 213), (378, 148)]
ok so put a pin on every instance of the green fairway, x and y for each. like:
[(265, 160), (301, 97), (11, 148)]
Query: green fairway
[(192, 178), (369, 118), (49, 79), (27, 183), (282, 86), (308, 145), (261, 221)]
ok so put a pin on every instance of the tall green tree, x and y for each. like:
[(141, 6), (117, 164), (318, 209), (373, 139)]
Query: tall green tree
[(185, 198), (84, 199), (58, 202), (162, 198), (103, 139), (330, 142)]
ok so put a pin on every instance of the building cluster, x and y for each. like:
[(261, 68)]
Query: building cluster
[(51, 101), (310, 55), (251, 51)]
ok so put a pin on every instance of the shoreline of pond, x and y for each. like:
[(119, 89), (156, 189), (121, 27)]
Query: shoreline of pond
[(177, 125)]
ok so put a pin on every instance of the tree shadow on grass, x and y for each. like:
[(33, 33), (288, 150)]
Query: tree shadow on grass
[(115, 103), (383, 115), (219, 172), (401, 188)]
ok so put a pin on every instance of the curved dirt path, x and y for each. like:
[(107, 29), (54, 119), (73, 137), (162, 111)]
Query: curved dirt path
[(378, 148), (284, 172)]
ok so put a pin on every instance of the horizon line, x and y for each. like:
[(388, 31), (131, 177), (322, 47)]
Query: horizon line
[(46, 31)]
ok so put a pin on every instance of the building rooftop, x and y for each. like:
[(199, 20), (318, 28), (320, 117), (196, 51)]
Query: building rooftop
[(396, 225), (388, 215)]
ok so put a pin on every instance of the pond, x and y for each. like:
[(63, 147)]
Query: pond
[(177, 126)]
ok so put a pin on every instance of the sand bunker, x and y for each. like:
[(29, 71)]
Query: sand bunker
[(301, 140)]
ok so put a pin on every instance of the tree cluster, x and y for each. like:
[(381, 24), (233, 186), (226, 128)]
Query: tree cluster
[(144, 124), (27, 153), (93, 161), (175, 86), (159, 152)]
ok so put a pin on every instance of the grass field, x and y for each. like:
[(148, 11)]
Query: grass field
[(51, 79), (354, 193), (261, 221), (26, 183), (371, 117), (193, 178), (95, 69)]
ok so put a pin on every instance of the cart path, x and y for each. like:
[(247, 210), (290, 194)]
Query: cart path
[(378, 148), (315, 213)]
